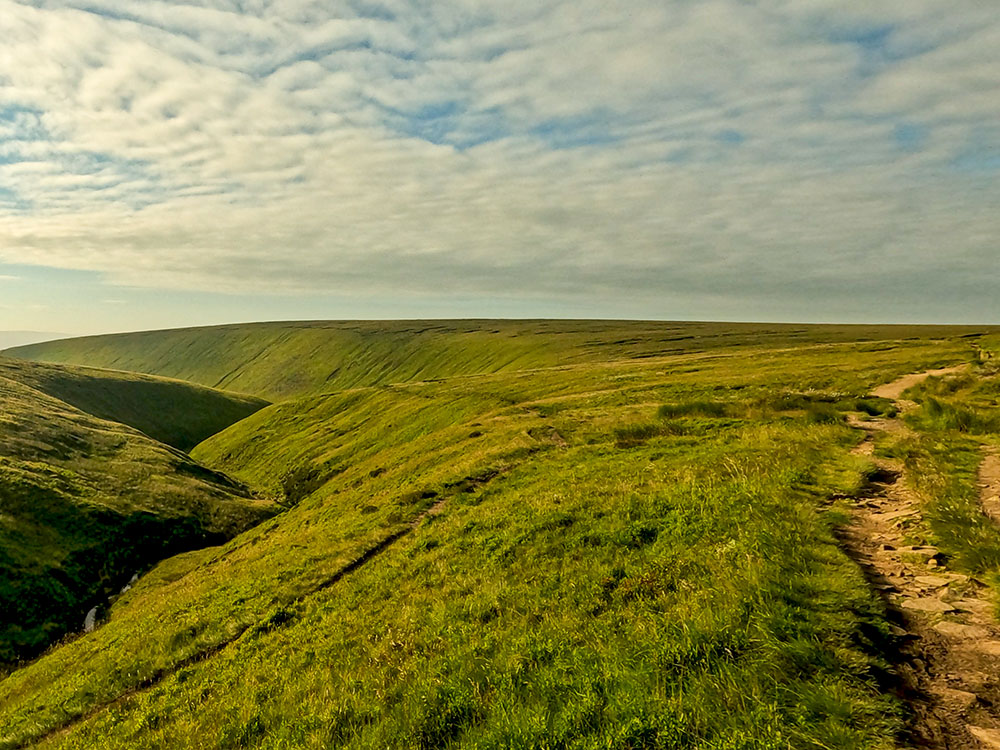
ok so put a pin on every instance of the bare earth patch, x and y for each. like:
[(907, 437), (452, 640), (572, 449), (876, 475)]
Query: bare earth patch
[(895, 389)]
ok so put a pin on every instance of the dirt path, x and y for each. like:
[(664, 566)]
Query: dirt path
[(949, 645), (989, 482), (895, 389)]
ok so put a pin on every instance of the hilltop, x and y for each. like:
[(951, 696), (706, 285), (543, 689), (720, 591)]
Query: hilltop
[(616, 538), (86, 502), (278, 361)]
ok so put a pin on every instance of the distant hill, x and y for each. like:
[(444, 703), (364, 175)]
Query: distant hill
[(283, 360), (85, 502)]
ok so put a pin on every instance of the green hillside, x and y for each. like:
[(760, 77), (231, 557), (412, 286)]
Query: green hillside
[(171, 411), (86, 502), (636, 552), (281, 360)]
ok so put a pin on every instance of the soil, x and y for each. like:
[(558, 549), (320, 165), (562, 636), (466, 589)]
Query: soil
[(948, 656), (895, 389)]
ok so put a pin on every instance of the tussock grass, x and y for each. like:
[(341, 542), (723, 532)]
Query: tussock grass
[(939, 415), (821, 413), (945, 469), (629, 436), (697, 408)]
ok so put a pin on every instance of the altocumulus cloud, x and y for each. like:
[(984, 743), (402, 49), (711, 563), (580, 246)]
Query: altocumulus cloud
[(660, 149)]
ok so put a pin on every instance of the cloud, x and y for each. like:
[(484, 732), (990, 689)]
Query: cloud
[(562, 149)]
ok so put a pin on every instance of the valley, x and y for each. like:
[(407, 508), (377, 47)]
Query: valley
[(505, 533)]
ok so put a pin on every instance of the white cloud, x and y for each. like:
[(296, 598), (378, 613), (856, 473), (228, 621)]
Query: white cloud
[(561, 148)]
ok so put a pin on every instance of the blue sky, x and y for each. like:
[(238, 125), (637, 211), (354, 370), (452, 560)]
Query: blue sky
[(169, 163)]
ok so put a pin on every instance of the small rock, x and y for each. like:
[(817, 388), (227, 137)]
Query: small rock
[(962, 698), (990, 648), (932, 563), (925, 551), (989, 738), (977, 606), (958, 630), (934, 582), (893, 515), (927, 604), (898, 631)]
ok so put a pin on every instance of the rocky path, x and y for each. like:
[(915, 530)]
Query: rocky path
[(989, 483), (949, 644)]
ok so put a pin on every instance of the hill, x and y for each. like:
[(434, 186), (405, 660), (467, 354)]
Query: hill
[(171, 411), (636, 552), (86, 502), (277, 361)]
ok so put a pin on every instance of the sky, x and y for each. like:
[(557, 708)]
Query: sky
[(166, 164)]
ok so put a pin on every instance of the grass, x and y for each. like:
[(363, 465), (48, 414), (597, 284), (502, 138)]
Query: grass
[(86, 502), (173, 412), (595, 571), (958, 416), (664, 611), (278, 361)]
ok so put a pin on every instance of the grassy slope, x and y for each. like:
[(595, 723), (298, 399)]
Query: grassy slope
[(171, 411), (595, 577), (282, 360), (86, 502)]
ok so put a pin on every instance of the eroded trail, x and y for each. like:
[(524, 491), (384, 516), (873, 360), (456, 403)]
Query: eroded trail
[(896, 388), (989, 483), (949, 644)]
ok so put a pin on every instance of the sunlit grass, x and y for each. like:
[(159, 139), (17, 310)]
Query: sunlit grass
[(632, 553)]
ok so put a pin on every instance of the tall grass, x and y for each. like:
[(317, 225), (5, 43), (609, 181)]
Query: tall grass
[(944, 468), (957, 414)]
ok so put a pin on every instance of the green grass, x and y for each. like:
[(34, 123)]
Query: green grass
[(596, 574), (171, 411), (278, 361), (958, 415), (86, 502)]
